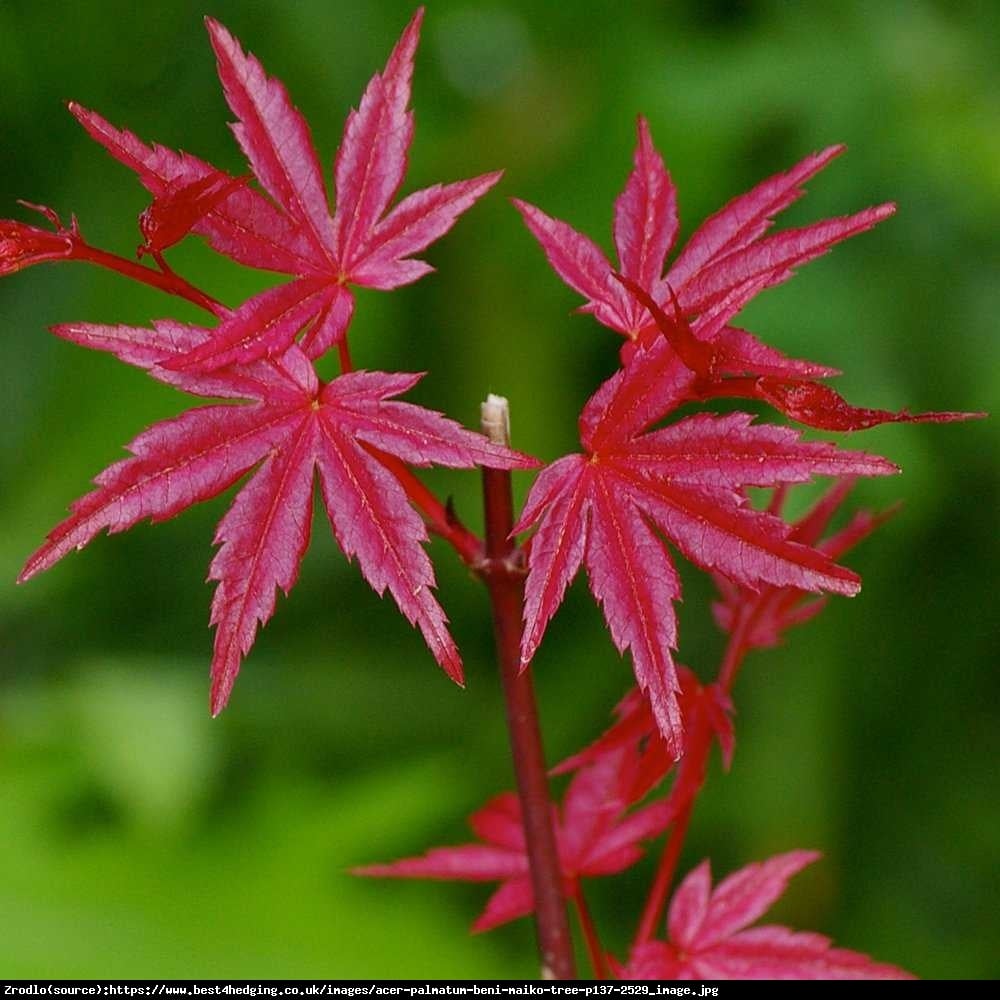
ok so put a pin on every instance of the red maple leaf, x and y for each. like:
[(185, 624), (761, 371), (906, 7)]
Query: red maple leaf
[(707, 939), (596, 836), (362, 243), (687, 480), (727, 261), (765, 614), (295, 428)]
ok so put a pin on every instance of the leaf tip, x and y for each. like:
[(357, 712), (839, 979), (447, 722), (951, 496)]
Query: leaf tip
[(32, 567), (367, 871), (642, 129), (219, 35), (527, 462), (526, 209), (78, 111), (222, 687), (491, 179)]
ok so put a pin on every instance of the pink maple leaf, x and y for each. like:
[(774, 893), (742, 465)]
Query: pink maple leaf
[(596, 836), (707, 936), (362, 243), (295, 428), (687, 480), (727, 260)]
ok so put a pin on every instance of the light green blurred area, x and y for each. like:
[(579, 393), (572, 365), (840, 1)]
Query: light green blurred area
[(139, 838)]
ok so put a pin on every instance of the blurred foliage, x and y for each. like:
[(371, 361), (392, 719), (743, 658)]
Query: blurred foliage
[(141, 839)]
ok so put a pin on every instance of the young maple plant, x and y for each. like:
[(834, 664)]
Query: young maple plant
[(636, 483)]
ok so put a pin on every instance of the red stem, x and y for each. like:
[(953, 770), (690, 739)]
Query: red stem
[(171, 283), (736, 648), (590, 935), (505, 583), (660, 888), (439, 517)]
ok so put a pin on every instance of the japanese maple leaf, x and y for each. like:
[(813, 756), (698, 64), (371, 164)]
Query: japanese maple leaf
[(595, 835), (727, 258), (707, 939), (766, 614), (361, 243), (727, 262), (687, 480), (294, 428)]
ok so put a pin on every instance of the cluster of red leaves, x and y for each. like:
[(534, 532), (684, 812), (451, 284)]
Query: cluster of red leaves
[(600, 833), (286, 424), (687, 480), (610, 507), (598, 830)]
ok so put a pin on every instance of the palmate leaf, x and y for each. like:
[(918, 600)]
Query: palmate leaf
[(726, 263), (726, 257), (364, 242), (296, 429), (706, 938), (608, 507)]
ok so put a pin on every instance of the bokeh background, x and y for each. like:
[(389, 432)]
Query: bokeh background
[(139, 838)]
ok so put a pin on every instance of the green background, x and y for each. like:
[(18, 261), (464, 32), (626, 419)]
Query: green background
[(139, 838)]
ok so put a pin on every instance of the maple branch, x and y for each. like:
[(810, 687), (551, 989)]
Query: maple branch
[(695, 762), (505, 584), (594, 948), (736, 649), (660, 889), (168, 281)]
